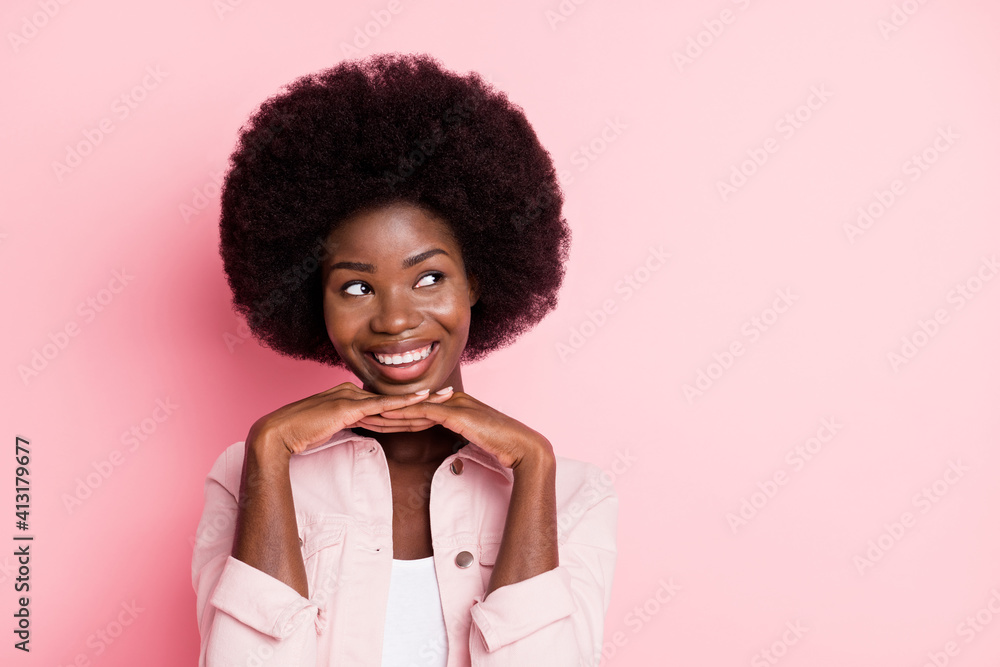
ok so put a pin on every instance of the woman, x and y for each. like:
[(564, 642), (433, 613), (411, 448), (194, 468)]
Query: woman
[(396, 219)]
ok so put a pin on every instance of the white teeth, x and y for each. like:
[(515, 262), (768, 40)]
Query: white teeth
[(405, 358)]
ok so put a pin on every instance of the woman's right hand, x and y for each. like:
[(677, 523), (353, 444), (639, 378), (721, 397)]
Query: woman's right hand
[(266, 535), (313, 420)]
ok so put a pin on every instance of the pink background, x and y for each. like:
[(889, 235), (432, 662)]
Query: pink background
[(673, 130)]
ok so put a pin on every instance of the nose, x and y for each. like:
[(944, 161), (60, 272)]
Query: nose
[(395, 313)]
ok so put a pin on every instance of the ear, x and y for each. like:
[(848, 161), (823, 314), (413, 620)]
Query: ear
[(473, 289)]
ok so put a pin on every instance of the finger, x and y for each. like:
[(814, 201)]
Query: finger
[(397, 426), (350, 390), (374, 404), (343, 386), (436, 398), (440, 398), (377, 420), (389, 429), (425, 410), (445, 415)]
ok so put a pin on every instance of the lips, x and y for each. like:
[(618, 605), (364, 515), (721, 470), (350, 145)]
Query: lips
[(403, 361), (404, 357), (401, 346)]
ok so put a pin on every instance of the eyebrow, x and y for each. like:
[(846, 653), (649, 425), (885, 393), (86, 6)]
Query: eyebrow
[(370, 268)]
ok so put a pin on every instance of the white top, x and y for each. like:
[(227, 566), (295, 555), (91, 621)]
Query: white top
[(414, 621)]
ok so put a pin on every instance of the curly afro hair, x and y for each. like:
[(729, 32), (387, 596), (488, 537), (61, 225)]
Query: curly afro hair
[(367, 133)]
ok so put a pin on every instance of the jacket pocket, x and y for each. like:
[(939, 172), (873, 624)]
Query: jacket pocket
[(487, 559), (322, 546)]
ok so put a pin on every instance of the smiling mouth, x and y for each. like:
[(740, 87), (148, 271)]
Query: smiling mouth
[(403, 360)]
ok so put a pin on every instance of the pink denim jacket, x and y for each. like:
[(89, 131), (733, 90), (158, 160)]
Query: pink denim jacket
[(343, 509)]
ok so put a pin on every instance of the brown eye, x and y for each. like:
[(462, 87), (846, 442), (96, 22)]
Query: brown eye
[(437, 275), (360, 285)]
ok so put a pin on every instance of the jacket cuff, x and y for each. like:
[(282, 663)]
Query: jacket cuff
[(512, 612), (260, 601)]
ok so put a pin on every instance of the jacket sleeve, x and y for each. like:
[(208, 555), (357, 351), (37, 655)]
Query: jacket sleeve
[(556, 618), (245, 616)]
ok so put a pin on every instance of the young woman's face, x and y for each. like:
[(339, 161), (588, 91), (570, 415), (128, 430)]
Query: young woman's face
[(395, 283)]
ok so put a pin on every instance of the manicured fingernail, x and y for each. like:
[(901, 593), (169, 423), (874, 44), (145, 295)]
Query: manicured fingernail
[(422, 392), (446, 390)]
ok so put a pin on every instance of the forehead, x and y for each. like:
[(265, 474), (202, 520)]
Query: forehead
[(394, 231)]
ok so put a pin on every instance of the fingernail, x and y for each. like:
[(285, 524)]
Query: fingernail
[(446, 390), (422, 392)]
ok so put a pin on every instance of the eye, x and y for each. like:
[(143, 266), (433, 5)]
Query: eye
[(437, 275), (362, 288)]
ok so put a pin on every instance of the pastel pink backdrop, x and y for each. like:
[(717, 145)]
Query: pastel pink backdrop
[(835, 560)]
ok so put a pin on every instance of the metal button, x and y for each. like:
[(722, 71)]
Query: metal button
[(457, 466), (464, 559)]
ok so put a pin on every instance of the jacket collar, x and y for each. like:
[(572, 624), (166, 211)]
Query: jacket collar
[(473, 452), (470, 452)]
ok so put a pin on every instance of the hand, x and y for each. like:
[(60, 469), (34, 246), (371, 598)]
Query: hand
[(506, 438), (304, 424)]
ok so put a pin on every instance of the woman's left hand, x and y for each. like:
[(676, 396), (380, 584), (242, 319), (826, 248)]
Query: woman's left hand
[(506, 438)]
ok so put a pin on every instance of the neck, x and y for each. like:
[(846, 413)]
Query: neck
[(430, 446)]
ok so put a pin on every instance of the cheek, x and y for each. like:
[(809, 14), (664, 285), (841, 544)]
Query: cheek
[(328, 320), (452, 311), (338, 327)]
